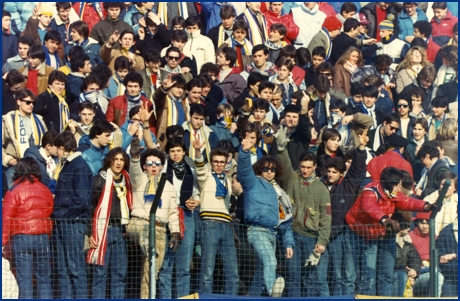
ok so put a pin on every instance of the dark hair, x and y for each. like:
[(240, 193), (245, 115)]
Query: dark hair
[(261, 104), (178, 20), (26, 169), (218, 151), (230, 55), (325, 66), (448, 175), (254, 78), (382, 60), (455, 28), (152, 152), (209, 68), (194, 82), (103, 73), (108, 5), (260, 47), (134, 110), (268, 161), (280, 28), (36, 51), (250, 128), (81, 28), (227, 11), (319, 51), (122, 62), (48, 137), (26, 40), (370, 91), (329, 134), (406, 98), (285, 62), (193, 20), (99, 127), (440, 102), (348, 7), (67, 140), (179, 35), (350, 24), (108, 160), (198, 109), (321, 83), (390, 177), (373, 80), (288, 51), (24, 93), (6, 13), (336, 103), (392, 117), (266, 84), (152, 55), (133, 77), (206, 80), (227, 145), (63, 5), (78, 61), (307, 156), (75, 50), (14, 77), (356, 88), (428, 149), (424, 27), (125, 32), (56, 75), (53, 35), (416, 91), (338, 163), (86, 105), (240, 25), (172, 49), (302, 56), (419, 42), (174, 131), (441, 5), (180, 81), (174, 142), (422, 121)]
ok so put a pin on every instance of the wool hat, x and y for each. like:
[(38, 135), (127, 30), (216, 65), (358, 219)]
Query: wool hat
[(396, 140), (363, 20), (423, 216), (292, 109), (47, 10), (332, 23), (386, 25)]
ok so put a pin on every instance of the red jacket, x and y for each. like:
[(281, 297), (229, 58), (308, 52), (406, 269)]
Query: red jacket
[(389, 159), (442, 30), (372, 205), (327, 9), (286, 20), (432, 50), (421, 243), (90, 14), (298, 75), (118, 109), (27, 208)]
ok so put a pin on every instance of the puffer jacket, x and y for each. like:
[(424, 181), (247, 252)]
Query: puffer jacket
[(406, 25), (442, 29), (286, 20), (93, 155), (310, 21), (373, 205), (389, 159), (20, 13), (27, 208)]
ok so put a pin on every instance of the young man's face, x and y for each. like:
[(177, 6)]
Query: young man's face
[(22, 50), (424, 226), (122, 73), (194, 95), (254, 6), (172, 59), (92, 87), (268, 172), (133, 88), (369, 101), (332, 144), (148, 5), (259, 114), (418, 131), (227, 23), (277, 99), (348, 15), (275, 36), (410, 9), (152, 165), (57, 86), (276, 7), (51, 45), (103, 139), (86, 116), (306, 168), (193, 28), (283, 73), (153, 67), (75, 36), (292, 119), (221, 60), (440, 13), (236, 186), (416, 100), (15, 88), (153, 28), (6, 22), (385, 33), (52, 149), (218, 164), (418, 34), (239, 35), (64, 14), (358, 98), (333, 175), (255, 88), (266, 94), (439, 112), (403, 107), (178, 27), (317, 60), (176, 92), (113, 12), (117, 164), (338, 112), (176, 154), (34, 63), (310, 5), (390, 128), (25, 106), (86, 68), (425, 83), (260, 58), (127, 41), (179, 44), (44, 20)]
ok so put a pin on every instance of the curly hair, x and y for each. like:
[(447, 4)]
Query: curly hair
[(346, 55), (268, 161), (108, 160), (407, 62)]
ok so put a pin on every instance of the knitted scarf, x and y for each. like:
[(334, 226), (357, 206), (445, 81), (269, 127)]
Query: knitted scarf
[(63, 109), (23, 142), (175, 111), (191, 149), (350, 67), (183, 172), (96, 6), (163, 11), (102, 213), (150, 189), (272, 46), (257, 35), (48, 59), (120, 86), (57, 171)]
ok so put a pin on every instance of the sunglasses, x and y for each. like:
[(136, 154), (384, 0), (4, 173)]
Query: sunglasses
[(173, 58), (267, 169), (28, 102), (403, 106), (151, 163), (392, 128)]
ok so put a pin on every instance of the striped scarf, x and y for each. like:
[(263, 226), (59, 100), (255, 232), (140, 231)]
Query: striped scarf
[(102, 213), (38, 129), (97, 7), (163, 11), (63, 109), (120, 86), (191, 149), (257, 35)]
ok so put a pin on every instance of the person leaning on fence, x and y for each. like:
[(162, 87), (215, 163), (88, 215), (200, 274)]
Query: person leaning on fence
[(145, 170), (370, 235), (267, 210), (27, 208)]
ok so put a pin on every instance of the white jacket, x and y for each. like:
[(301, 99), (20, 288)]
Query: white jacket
[(309, 21), (202, 48)]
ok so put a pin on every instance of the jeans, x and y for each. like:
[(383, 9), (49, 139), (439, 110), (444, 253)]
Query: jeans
[(116, 259), (32, 257), (306, 281), (422, 285), (182, 257), (9, 173), (341, 264), (264, 242), (399, 282), (450, 288), (69, 239), (218, 238)]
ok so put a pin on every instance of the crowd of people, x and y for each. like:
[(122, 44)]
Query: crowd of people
[(305, 145)]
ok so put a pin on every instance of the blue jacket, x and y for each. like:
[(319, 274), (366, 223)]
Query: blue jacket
[(73, 86), (94, 156), (33, 152), (127, 137), (91, 48), (20, 13), (224, 134), (62, 29), (9, 46), (406, 26), (211, 11), (73, 189)]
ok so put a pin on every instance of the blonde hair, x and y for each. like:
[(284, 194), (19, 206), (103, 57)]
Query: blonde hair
[(407, 63), (224, 107), (447, 130), (346, 55)]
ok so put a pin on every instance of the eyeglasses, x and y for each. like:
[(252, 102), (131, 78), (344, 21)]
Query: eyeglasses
[(219, 162), (28, 102), (403, 106), (151, 163), (267, 169), (392, 128), (173, 58)]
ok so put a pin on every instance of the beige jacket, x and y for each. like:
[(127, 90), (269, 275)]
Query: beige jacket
[(109, 55), (448, 212)]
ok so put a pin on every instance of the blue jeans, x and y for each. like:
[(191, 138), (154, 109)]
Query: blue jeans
[(302, 281), (32, 257), (182, 258), (9, 173), (450, 288), (399, 282), (116, 259), (341, 264), (218, 237), (422, 285), (264, 242), (69, 239)]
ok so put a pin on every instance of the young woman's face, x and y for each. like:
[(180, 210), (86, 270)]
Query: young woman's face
[(332, 145), (354, 57), (205, 90), (416, 57), (283, 73)]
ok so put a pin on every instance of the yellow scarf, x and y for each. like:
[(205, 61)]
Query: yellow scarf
[(124, 51), (172, 114), (120, 86), (191, 149), (256, 35), (38, 130), (151, 185), (63, 109), (163, 11), (60, 165)]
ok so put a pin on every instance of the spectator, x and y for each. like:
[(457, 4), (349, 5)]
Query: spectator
[(240, 43), (257, 23), (61, 22), (431, 179), (298, 74), (442, 22), (91, 92), (275, 15), (440, 112), (79, 37), (318, 56), (346, 11), (80, 66), (454, 40), (447, 135), (200, 46), (20, 11), (152, 35), (284, 79), (448, 70), (329, 31), (423, 29), (151, 73), (447, 245), (346, 65), (425, 81), (126, 40), (230, 81), (410, 67), (10, 86), (9, 40), (416, 140), (21, 59), (36, 71), (319, 94), (90, 12), (376, 12), (411, 14), (260, 64), (223, 31), (276, 41), (404, 106), (391, 44), (387, 128), (310, 19), (186, 60), (133, 128)]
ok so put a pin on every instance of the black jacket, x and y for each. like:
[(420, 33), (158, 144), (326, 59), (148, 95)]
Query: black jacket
[(407, 256), (341, 44), (159, 41), (450, 90), (433, 176), (47, 105), (213, 34), (8, 100)]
